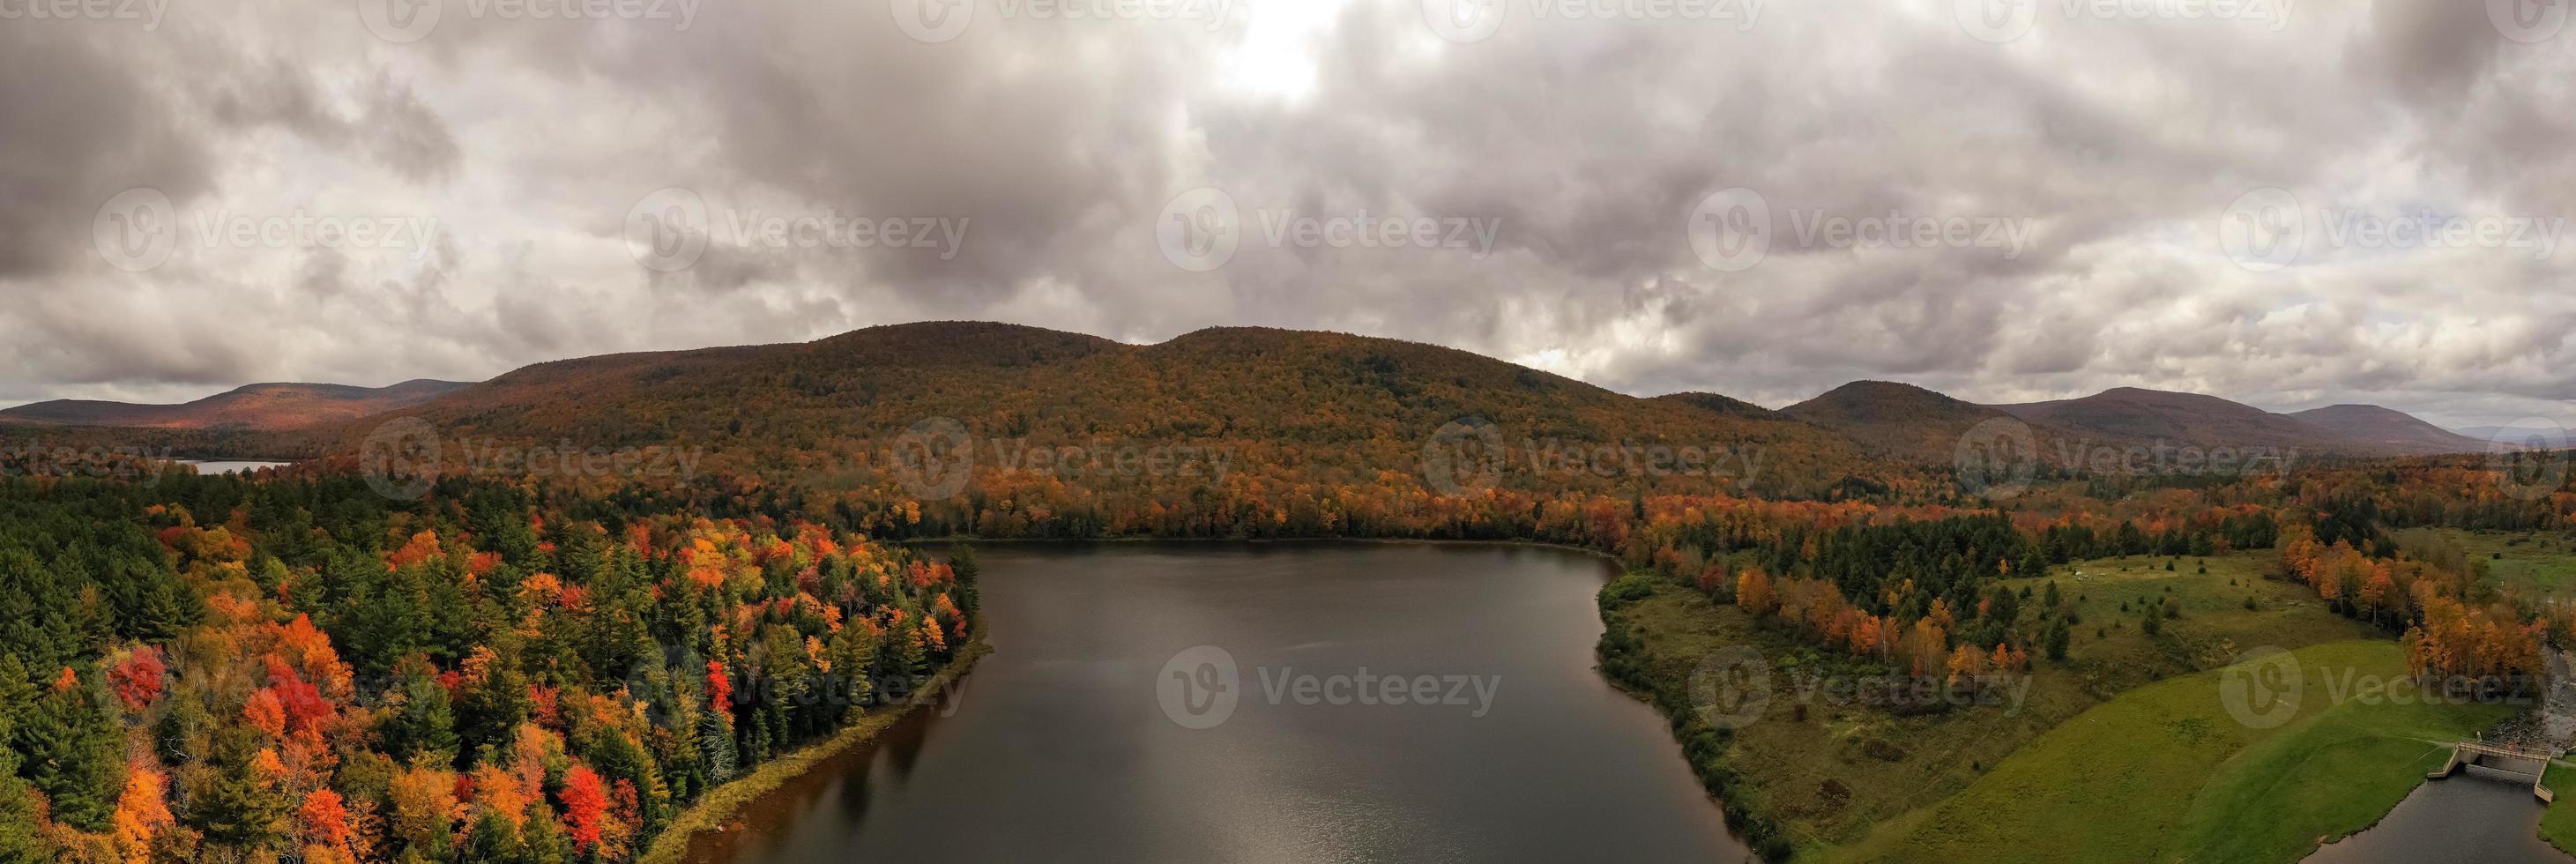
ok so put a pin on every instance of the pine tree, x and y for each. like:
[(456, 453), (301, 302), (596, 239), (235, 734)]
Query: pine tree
[(2058, 637), (495, 840), (68, 746), (17, 808), (967, 567), (756, 749), (425, 724), (545, 840), (238, 804), (715, 737)]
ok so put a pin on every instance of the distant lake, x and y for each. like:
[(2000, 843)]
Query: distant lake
[(229, 466), (1069, 743)]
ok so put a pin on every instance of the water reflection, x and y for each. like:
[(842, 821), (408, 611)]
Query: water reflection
[(1060, 749), (2477, 816)]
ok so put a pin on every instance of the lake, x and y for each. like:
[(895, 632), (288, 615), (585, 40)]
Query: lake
[(1300, 702), (229, 466), (2473, 817)]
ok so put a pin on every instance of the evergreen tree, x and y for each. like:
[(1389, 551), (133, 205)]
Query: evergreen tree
[(715, 737), (68, 747), (968, 568), (494, 840), (545, 840), (238, 805), (18, 844), (424, 724)]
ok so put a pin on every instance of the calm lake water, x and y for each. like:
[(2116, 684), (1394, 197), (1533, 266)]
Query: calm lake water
[(1068, 743), (2468, 818), (229, 466)]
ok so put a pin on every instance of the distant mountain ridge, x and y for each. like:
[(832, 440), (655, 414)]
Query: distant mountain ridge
[(1288, 395), (1300, 407), (2397, 431), (1906, 421), (1909, 421), (266, 407), (2518, 436)]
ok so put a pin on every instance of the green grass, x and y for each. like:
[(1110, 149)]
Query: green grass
[(2112, 654), (2558, 823), (2166, 773), (2526, 563), (1839, 772)]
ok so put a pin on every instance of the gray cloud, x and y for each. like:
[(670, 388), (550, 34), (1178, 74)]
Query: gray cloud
[(2115, 147)]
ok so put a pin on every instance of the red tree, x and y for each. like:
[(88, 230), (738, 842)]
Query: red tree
[(719, 686), (585, 804), (137, 681)]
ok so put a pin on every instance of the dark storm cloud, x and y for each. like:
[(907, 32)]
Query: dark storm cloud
[(2107, 151)]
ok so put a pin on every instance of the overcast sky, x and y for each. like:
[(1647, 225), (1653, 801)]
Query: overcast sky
[(2001, 201)]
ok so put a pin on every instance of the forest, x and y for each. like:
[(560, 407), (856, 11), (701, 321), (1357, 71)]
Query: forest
[(297, 665), (217, 669)]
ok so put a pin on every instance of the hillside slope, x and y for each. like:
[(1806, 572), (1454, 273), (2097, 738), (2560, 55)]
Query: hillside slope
[(254, 407), (2390, 430), (1287, 406), (2186, 419), (1909, 422)]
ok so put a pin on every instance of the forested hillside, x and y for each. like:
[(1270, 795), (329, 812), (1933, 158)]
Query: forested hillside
[(1291, 407), (213, 669), (257, 406)]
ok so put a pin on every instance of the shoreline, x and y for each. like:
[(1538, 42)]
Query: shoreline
[(712, 811), (968, 539), (719, 805)]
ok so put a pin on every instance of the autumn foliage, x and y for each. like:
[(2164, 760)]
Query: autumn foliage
[(505, 674)]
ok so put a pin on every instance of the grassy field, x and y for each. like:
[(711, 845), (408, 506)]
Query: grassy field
[(2166, 773), (2530, 564), (2112, 653), (1836, 771), (2558, 823)]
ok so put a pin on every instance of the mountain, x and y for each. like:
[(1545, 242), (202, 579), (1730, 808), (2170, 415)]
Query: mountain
[(2517, 436), (1286, 406), (1903, 420), (1727, 405), (255, 407), (2390, 430), (2186, 419), (1913, 423)]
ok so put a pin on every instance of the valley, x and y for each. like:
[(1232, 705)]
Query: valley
[(1870, 644)]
